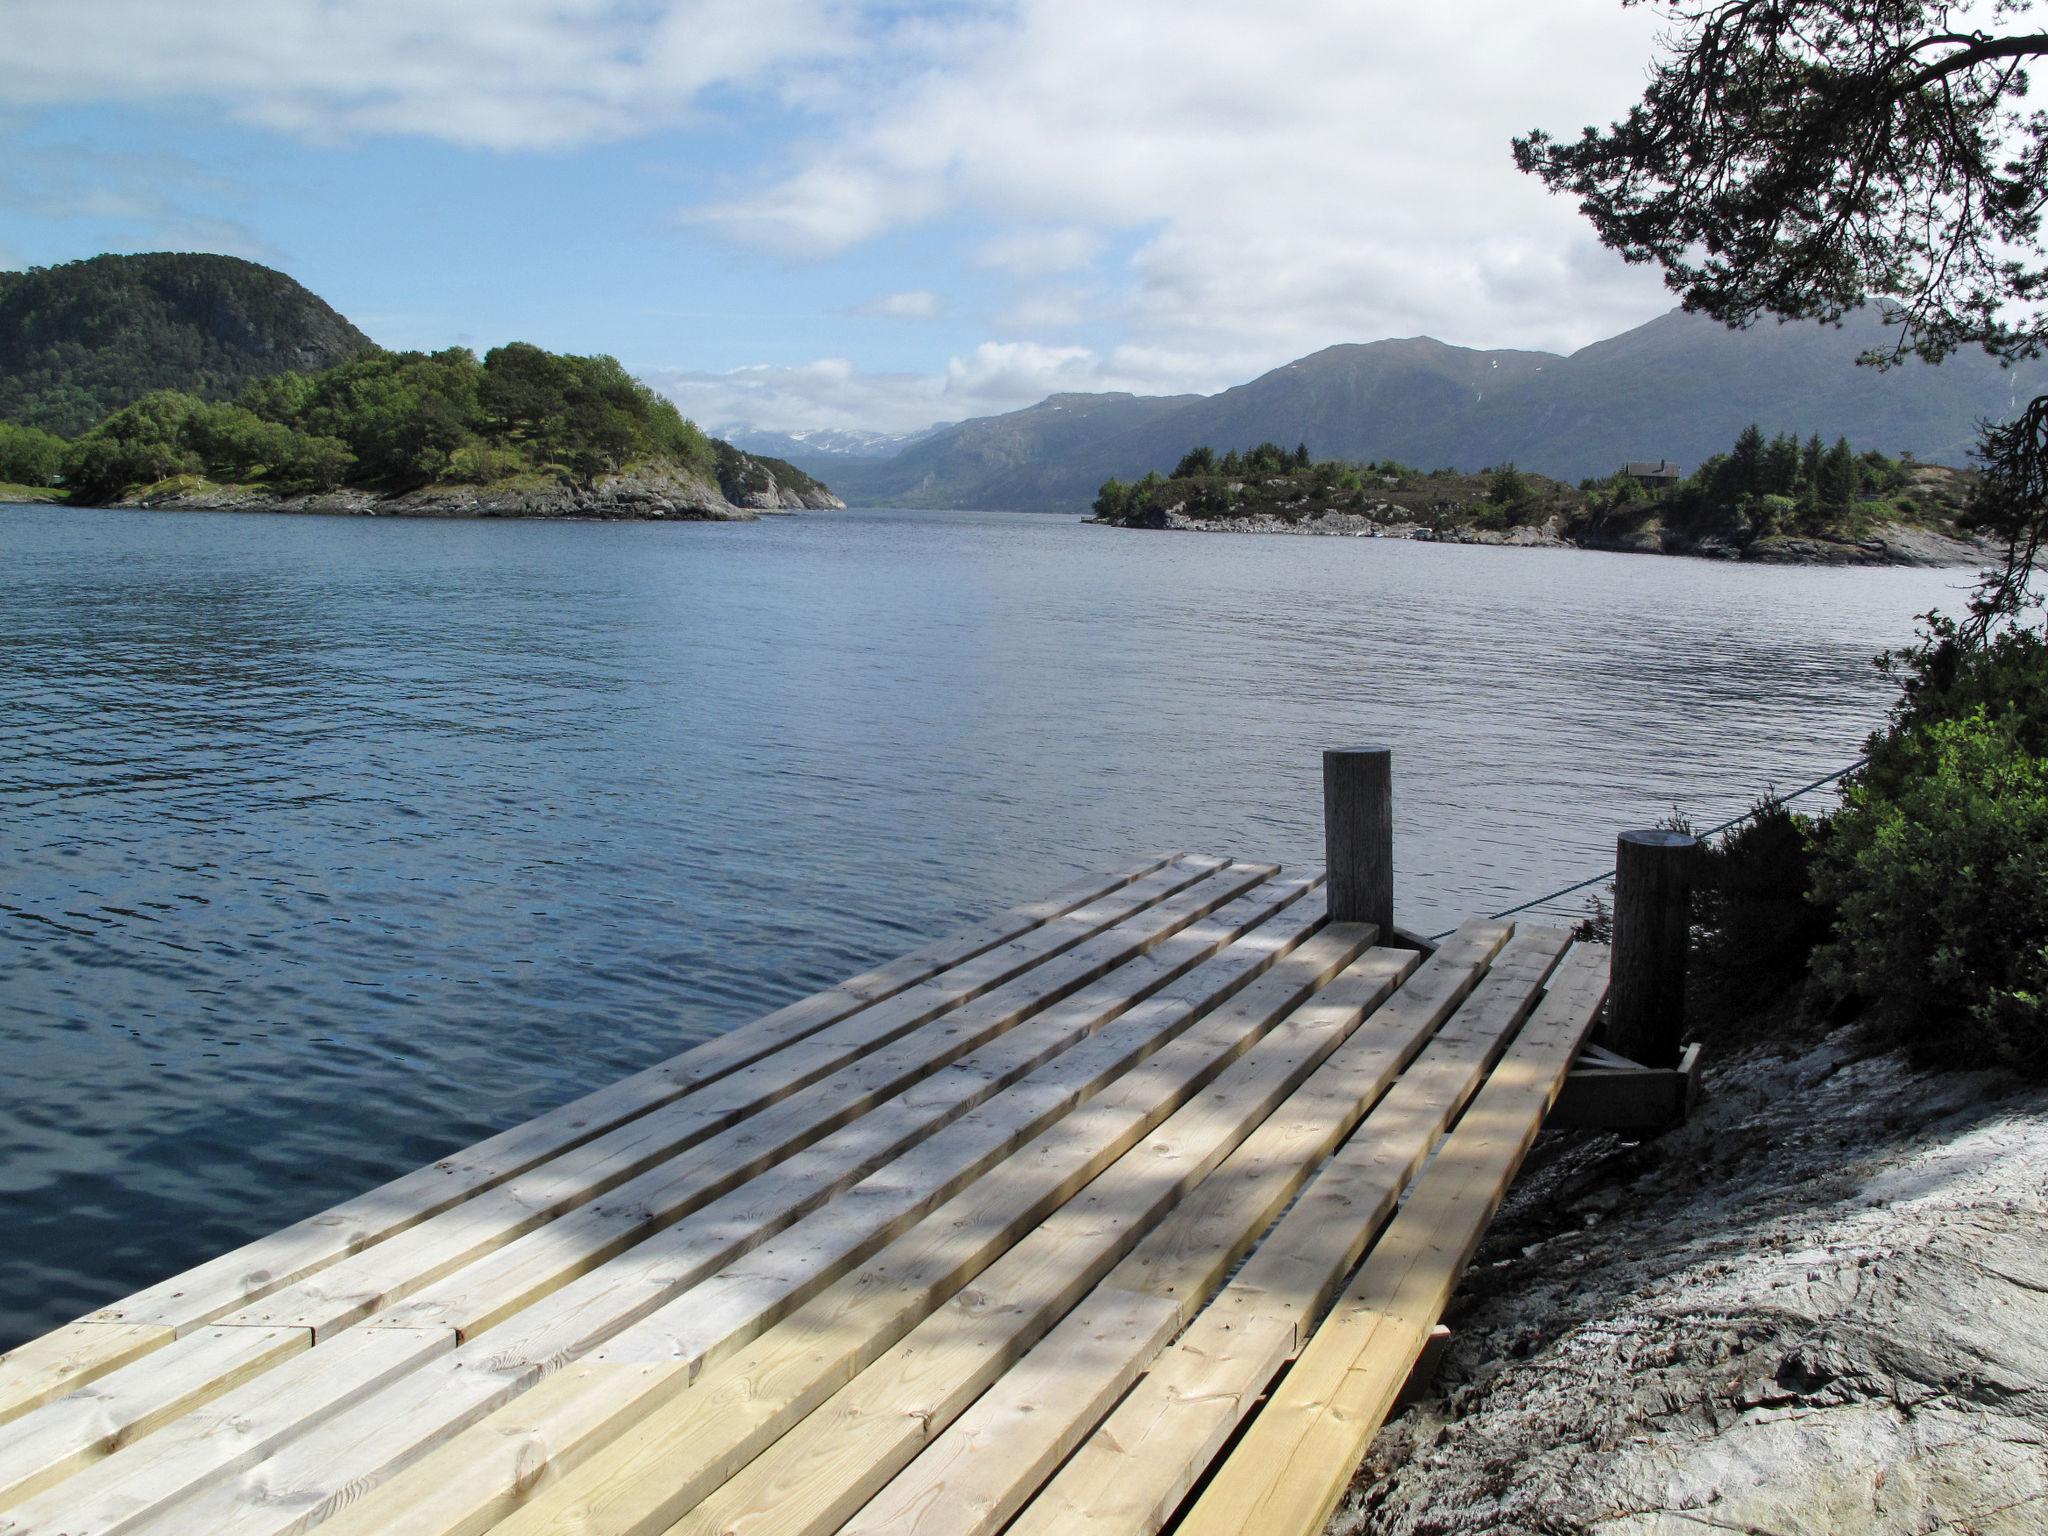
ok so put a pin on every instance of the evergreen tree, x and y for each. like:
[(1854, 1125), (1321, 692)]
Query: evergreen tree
[(1840, 484)]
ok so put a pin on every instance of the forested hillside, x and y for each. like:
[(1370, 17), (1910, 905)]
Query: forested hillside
[(88, 337)]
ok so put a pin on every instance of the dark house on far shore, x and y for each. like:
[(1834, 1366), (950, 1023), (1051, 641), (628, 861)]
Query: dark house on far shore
[(1655, 474)]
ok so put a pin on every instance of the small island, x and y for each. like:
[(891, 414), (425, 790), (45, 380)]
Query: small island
[(1774, 499), (521, 432)]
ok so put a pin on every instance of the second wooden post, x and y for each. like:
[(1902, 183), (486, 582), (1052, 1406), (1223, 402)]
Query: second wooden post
[(1652, 943), (1358, 835)]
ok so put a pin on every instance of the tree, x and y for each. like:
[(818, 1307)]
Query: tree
[(1801, 158), (1840, 485), (1196, 461)]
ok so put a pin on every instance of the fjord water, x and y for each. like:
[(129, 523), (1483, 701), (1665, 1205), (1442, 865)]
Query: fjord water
[(333, 844)]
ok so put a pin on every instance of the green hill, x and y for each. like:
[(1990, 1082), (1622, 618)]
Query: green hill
[(83, 339)]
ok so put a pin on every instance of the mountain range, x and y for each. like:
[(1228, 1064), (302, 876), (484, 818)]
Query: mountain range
[(1680, 387)]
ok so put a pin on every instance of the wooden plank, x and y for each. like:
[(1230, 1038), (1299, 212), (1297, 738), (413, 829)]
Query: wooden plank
[(976, 1475), (124, 1405), (821, 1471), (203, 1293), (131, 1489), (755, 1116), (464, 1486), (48, 1367), (947, 1488), (1190, 1253), (734, 1408), (759, 1145), (495, 1287), (1131, 1475), (1297, 1458)]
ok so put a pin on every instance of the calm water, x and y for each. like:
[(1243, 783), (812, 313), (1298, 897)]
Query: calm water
[(331, 844)]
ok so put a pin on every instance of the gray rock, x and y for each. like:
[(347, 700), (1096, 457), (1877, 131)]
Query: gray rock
[(1821, 1306)]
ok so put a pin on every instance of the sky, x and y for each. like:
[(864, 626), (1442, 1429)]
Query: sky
[(834, 214)]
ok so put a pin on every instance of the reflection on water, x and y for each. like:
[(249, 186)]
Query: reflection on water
[(332, 844)]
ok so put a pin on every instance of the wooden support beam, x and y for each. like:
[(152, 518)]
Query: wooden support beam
[(1422, 1378), (1600, 1096), (1358, 832)]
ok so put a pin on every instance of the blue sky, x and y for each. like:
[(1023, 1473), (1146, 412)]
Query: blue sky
[(824, 213)]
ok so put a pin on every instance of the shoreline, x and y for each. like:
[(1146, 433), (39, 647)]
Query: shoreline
[(1890, 544)]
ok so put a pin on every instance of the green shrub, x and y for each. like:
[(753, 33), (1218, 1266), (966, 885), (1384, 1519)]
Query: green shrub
[(477, 463), (1938, 865), (29, 455), (1756, 923)]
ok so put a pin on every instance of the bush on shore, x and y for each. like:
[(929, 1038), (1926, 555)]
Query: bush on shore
[(1920, 907)]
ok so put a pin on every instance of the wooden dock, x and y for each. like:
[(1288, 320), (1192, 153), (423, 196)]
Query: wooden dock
[(1126, 1209)]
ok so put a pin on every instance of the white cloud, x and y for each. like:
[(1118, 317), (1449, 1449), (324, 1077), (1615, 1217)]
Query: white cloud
[(914, 304), (516, 74), (1038, 252), (1302, 173), (994, 377)]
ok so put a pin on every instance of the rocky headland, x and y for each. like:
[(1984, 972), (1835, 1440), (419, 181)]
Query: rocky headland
[(670, 493)]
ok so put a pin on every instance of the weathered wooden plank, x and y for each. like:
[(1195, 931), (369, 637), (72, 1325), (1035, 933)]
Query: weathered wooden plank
[(500, 1284), (976, 1475), (203, 1293), (46, 1368), (822, 1470), (746, 1401), (754, 1116), (1133, 1472), (122, 1406), (1298, 1456), (130, 1490)]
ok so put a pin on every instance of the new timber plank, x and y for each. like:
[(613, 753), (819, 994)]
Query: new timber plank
[(596, 1415), (337, 1295), (1190, 1253), (1293, 1465), (977, 1474), (127, 1490), (729, 1306), (34, 1373), (1132, 1473), (765, 1110), (203, 1293), (497, 1286), (119, 1408), (504, 1368), (819, 1474), (952, 1493)]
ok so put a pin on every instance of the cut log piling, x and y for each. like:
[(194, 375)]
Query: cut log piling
[(1358, 834), (1653, 873)]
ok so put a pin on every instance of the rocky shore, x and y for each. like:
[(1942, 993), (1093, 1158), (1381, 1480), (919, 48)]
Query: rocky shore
[(639, 495), (1887, 544), (1820, 1306)]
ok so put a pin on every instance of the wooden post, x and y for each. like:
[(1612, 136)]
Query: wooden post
[(1358, 835), (1652, 938)]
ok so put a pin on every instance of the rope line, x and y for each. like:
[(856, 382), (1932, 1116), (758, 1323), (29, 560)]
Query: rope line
[(1734, 821)]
